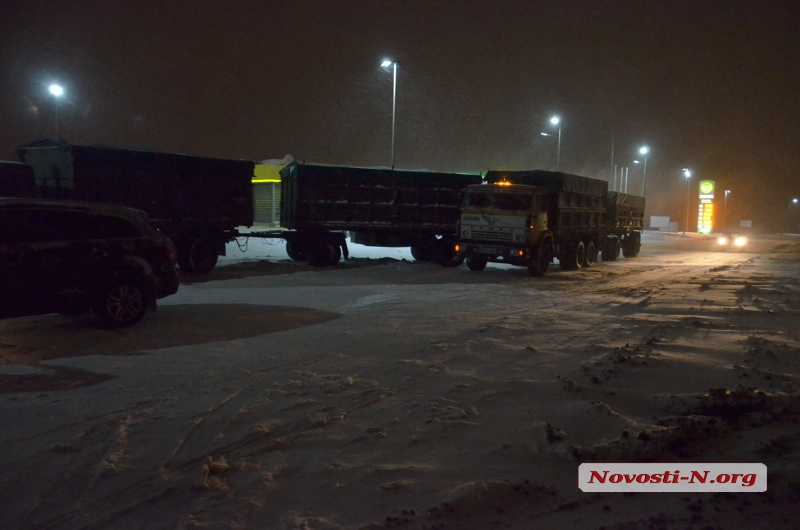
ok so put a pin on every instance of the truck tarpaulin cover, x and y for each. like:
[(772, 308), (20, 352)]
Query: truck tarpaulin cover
[(552, 180), (349, 198)]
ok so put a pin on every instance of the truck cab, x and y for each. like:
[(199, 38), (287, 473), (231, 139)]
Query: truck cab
[(506, 223)]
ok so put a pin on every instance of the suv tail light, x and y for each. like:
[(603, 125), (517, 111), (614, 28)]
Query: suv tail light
[(171, 251)]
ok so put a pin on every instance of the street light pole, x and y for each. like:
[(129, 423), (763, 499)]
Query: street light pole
[(385, 64), (57, 92), (725, 213), (688, 175), (555, 120), (643, 151)]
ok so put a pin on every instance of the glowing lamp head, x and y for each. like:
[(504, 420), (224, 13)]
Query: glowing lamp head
[(687, 173), (386, 63), (644, 150), (555, 120), (56, 90)]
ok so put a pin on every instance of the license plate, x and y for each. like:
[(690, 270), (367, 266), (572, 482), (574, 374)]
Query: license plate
[(487, 250)]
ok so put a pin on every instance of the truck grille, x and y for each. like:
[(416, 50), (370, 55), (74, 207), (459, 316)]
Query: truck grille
[(491, 235)]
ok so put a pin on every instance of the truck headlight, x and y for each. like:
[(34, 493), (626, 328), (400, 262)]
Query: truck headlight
[(740, 241), (723, 240)]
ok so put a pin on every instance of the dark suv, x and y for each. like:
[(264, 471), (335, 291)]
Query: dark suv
[(68, 257)]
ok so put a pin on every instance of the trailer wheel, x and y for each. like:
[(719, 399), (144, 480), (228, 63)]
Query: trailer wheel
[(544, 256), (476, 264), (197, 255), (629, 248), (295, 250), (421, 252), (575, 256), (324, 253), (591, 254), (611, 250)]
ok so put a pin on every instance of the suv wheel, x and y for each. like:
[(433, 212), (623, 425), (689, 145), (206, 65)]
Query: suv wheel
[(122, 302)]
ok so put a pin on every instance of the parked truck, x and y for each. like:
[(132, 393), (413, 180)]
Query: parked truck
[(378, 207), (528, 218), (197, 202)]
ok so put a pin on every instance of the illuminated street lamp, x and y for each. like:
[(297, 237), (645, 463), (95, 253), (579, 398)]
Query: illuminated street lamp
[(643, 151), (725, 213), (57, 91), (393, 64), (688, 175)]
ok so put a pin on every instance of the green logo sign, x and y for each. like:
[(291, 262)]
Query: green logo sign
[(707, 187)]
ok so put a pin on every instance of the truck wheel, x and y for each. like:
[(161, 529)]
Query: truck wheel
[(197, 255), (476, 264), (121, 302), (295, 250), (421, 252), (324, 253), (575, 257), (591, 254), (544, 256), (637, 244), (611, 250)]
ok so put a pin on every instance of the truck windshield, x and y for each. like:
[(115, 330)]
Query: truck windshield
[(499, 200)]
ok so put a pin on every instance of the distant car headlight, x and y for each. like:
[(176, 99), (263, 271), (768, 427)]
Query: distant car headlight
[(722, 241), (740, 241)]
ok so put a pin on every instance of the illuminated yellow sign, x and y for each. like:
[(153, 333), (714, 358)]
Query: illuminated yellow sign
[(705, 218), (266, 173)]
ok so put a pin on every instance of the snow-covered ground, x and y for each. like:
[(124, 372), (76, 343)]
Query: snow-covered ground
[(388, 393)]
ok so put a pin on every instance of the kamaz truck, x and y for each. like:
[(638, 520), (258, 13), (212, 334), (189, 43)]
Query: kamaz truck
[(378, 207), (528, 218)]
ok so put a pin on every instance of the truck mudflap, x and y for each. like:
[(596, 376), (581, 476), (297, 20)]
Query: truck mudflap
[(446, 252), (342, 241)]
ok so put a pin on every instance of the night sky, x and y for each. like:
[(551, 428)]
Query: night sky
[(709, 85)]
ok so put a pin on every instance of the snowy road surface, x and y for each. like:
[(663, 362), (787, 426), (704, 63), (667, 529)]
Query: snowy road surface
[(386, 393)]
